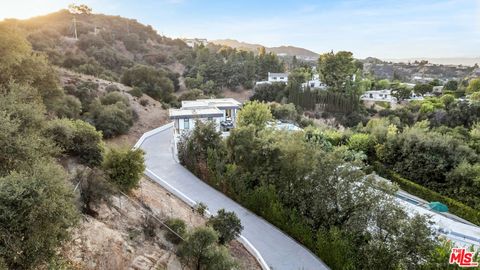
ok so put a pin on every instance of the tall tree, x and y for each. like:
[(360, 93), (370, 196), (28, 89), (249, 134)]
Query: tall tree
[(336, 68)]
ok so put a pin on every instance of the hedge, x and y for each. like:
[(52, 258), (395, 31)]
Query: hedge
[(454, 206)]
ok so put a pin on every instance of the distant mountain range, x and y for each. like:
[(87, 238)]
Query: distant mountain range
[(466, 61), (281, 51)]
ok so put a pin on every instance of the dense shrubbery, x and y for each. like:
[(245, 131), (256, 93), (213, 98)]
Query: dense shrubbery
[(312, 192), (151, 81)]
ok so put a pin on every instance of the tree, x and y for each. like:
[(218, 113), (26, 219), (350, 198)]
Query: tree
[(361, 142), (124, 168), (401, 92), (200, 251), (382, 84), (93, 187), (227, 224), (451, 85), (77, 138), (286, 112), (36, 211), (179, 227), (422, 88), (79, 9), (254, 113), (473, 86), (336, 68)]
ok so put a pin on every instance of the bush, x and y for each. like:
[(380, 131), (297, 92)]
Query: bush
[(114, 97), (136, 92), (201, 208), (361, 142), (144, 102), (124, 168), (77, 138), (69, 107), (227, 224), (112, 88), (179, 227), (113, 119), (200, 251)]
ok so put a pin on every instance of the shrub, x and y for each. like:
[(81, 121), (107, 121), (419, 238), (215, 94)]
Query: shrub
[(361, 142), (201, 208), (112, 88), (69, 107), (112, 120), (136, 92), (227, 224), (77, 138), (200, 251), (114, 97), (179, 227), (124, 168), (144, 102)]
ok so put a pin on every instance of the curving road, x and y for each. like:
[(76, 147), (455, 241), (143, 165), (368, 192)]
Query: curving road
[(278, 250)]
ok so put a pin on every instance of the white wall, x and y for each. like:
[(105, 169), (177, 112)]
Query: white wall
[(179, 124)]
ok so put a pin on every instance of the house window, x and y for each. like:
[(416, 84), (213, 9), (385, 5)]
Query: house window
[(209, 118), (228, 113), (186, 124), (281, 78), (274, 78), (371, 95)]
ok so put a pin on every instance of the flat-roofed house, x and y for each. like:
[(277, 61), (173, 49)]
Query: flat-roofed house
[(222, 111), (277, 77)]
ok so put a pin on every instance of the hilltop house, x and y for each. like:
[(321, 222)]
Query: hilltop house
[(222, 111), (192, 42)]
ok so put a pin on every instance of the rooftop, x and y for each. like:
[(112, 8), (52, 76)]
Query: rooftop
[(278, 74)]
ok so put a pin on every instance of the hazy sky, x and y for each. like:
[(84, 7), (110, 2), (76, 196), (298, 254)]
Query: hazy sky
[(380, 28)]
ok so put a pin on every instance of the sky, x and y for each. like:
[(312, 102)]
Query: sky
[(387, 29)]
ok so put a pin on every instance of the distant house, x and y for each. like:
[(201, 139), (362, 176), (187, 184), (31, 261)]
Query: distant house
[(277, 77), (221, 111), (274, 78), (379, 95), (192, 42), (314, 83)]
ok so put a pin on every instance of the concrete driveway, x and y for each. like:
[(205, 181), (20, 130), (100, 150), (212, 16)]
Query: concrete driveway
[(277, 249)]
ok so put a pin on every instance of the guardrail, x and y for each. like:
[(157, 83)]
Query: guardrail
[(188, 200)]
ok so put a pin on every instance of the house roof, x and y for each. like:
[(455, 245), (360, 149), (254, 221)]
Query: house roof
[(271, 74), (202, 108), (213, 102), (194, 113)]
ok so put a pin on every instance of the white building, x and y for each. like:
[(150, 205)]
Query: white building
[(314, 83), (274, 78), (222, 111), (192, 42), (277, 77), (379, 95)]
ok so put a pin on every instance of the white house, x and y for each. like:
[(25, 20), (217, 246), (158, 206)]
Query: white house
[(379, 95), (222, 111), (274, 78), (314, 83), (277, 77)]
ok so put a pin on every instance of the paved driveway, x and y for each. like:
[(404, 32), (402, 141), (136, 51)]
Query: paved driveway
[(277, 249)]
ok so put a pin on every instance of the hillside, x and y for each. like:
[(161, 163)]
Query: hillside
[(281, 51)]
